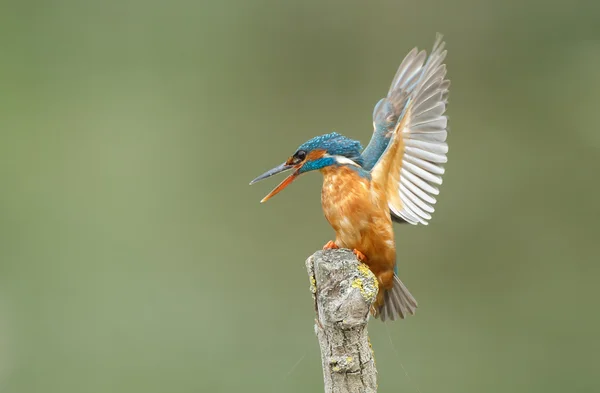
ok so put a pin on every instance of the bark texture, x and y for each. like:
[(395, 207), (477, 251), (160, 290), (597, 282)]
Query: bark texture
[(344, 290)]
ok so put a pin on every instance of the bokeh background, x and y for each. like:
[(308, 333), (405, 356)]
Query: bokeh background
[(134, 257)]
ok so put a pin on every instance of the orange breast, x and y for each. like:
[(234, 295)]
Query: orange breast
[(358, 212)]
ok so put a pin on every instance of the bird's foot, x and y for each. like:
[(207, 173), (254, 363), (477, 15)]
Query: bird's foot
[(330, 245), (359, 255)]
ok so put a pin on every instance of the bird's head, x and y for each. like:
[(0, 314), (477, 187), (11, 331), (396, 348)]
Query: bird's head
[(316, 153)]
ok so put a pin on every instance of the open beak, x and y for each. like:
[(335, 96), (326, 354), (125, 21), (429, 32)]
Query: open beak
[(278, 169), (288, 180)]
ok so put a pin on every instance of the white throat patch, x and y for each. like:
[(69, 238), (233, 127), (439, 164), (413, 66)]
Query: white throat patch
[(342, 160)]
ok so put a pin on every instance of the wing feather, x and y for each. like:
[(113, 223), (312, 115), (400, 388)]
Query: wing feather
[(409, 68), (426, 165), (418, 182), (410, 167), (418, 192), (388, 110)]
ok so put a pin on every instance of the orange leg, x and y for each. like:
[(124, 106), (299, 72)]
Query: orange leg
[(359, 255), (330, 245)]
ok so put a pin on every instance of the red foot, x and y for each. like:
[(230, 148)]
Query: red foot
[(330, 245), (359, 255)]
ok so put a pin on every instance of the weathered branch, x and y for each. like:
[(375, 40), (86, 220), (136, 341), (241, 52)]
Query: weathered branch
[(344, 291)]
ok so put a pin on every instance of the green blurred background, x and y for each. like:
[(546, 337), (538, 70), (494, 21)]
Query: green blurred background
[(134, 256)]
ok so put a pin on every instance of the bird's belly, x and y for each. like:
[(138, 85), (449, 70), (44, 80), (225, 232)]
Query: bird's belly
[(360, 219)]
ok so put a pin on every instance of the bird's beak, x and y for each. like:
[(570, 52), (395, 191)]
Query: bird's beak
[(278, 169)]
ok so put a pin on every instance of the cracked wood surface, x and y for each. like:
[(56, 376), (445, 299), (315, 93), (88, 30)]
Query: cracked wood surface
[(344, 291)]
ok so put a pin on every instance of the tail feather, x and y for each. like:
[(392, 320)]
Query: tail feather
[(398, 302)]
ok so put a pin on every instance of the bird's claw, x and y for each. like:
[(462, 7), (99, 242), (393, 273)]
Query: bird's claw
[(330, 245), (359, 255)]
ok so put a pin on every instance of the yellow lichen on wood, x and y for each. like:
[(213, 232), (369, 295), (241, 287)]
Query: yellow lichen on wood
[(371, 348), (368, 290), (313, 284)]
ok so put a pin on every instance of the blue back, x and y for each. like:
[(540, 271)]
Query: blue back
[(384, 120)]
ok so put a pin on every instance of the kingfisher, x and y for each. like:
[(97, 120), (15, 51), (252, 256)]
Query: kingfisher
[(394, 179)]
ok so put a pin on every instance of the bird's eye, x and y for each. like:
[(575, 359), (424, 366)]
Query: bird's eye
[(300, 155)]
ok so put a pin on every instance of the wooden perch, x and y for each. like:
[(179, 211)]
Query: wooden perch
[(344, 290)]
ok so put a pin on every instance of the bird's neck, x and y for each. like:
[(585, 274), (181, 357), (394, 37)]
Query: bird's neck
[(346, 170)]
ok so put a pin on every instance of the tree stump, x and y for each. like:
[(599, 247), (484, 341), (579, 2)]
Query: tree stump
[(344, 290)]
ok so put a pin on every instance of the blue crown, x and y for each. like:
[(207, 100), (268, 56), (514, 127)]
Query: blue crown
[(334, 144)]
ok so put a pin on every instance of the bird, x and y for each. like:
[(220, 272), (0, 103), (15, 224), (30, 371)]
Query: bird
[(395, 179)]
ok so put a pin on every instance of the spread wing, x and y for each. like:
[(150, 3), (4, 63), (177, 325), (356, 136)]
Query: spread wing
[(388, 109), (409, 139)]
